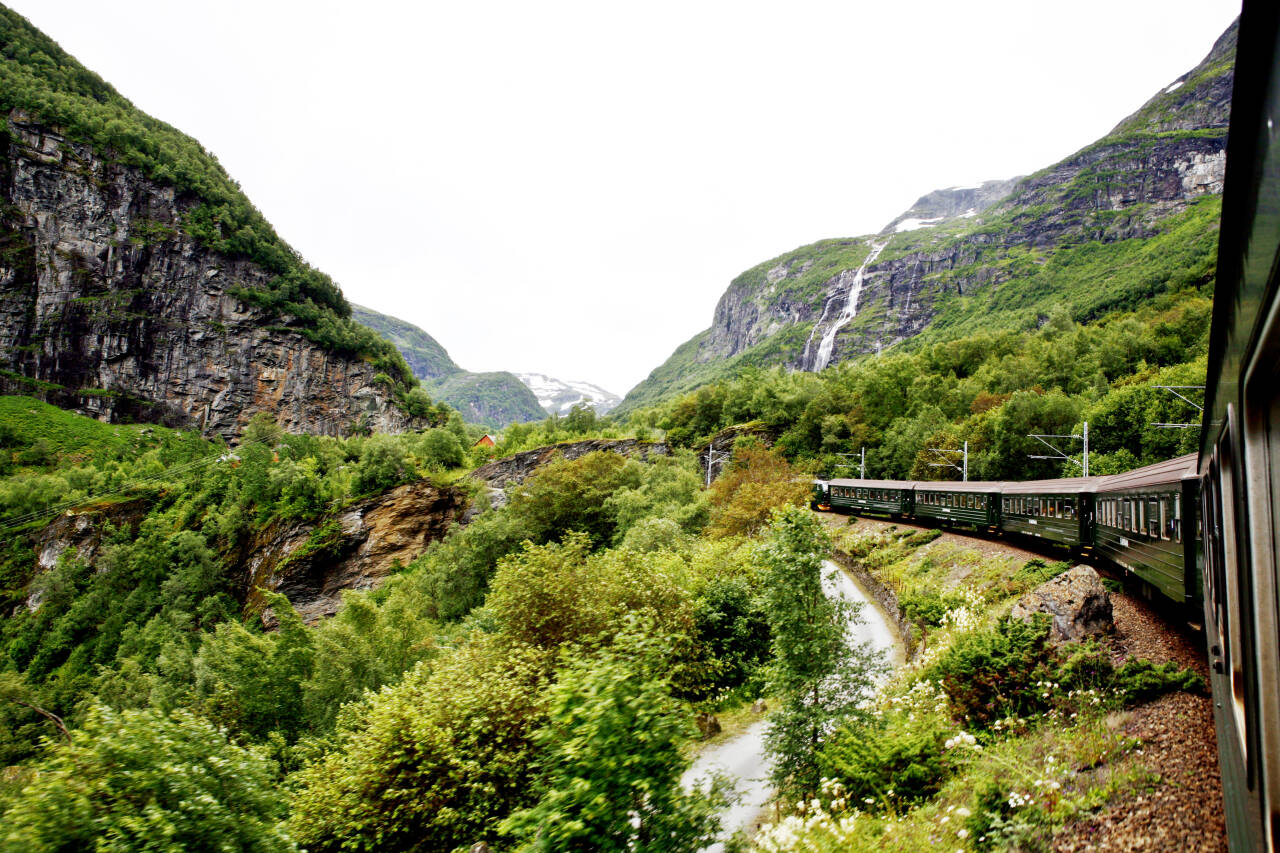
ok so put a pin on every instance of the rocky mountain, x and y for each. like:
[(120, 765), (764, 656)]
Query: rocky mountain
[(138, 283), (952, 203), (1133, 214), (558, 396), (494, 399)]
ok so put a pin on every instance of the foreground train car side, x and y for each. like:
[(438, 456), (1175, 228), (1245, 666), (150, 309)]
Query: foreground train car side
[(1144, 520), (1239, 460), (1057, 510)]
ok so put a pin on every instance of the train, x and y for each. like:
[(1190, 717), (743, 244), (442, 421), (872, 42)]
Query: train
[(1144, 521), (1238, 466), (1204, 529)]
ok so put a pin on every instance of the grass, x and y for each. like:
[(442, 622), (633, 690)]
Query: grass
[(24, 421)]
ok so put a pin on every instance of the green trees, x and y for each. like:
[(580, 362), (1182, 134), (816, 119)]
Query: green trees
[(612, 763), (432, 763), (141, 780), (818, 675)]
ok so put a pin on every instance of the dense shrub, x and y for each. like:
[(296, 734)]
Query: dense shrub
[(141, 780)]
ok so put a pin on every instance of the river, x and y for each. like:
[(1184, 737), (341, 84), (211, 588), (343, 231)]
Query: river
[(742, 758)]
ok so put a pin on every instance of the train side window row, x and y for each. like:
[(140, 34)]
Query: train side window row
[(957, 501), (1156, 516), (1041, 507)]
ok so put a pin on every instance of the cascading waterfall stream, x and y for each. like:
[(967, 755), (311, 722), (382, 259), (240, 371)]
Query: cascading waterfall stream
[(816, 361)]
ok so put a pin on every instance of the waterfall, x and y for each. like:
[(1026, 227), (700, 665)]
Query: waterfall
[(816, 361)]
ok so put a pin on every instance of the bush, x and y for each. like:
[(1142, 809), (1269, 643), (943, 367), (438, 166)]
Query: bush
[(894, 762), (442, 756), (140, 780), (990, 675)]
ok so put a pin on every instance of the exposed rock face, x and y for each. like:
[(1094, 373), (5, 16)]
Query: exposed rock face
[(721, 446), (499, 474), (80, 533), (951, 203), (105, 299), (1077, 601), (357, 549)]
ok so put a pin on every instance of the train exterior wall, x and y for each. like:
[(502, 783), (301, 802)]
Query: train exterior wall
[(1157, 560), (954, 507), (1074, 531)]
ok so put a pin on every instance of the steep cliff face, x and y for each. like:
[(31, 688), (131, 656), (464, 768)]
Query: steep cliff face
[(1087, 233), (108, 307)]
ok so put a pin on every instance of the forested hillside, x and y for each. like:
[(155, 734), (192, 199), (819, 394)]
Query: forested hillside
[(1133, 215), (493, 399)]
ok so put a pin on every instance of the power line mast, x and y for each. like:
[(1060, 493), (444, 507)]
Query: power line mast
[(862, 462), (946, 462), (1174, 389), (713, 458), (1060, 454)]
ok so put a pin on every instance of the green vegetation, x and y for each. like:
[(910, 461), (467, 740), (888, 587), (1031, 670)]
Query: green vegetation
[(587, 615), (497, 398), (40, 78), (992, 389), (991, 738), (107, 790), (820, 677), (424, 354)]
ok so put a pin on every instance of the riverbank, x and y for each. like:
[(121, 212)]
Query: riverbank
[(1085, 761), (742, 757)]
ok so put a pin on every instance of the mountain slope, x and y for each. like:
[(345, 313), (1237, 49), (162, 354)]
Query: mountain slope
[(138, 283), (493, 399), (423, 353), (1129, 216)]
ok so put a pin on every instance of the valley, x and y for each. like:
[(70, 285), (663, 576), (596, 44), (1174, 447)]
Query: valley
[(279, 574)]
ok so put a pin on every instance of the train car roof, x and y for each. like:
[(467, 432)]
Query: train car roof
[(1160, 474), (1065, 486), (872, 484), (958, 486)]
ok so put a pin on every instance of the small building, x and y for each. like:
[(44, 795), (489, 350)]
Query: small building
[(486, 440)]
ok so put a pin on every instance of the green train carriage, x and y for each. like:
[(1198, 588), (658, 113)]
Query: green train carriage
[(1146, 522), (874, 497), (1056, 510), (976, 503)]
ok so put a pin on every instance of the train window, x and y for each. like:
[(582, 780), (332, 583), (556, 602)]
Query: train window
[(1176, 522), (1153, 518)]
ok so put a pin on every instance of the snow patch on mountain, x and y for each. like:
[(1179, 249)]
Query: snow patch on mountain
[(558, 396)]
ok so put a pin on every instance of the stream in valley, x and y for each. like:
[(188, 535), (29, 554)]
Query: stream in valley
[(742, 758)]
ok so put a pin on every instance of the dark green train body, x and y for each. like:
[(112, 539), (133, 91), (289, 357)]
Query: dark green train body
[(1143, 520), (958, 503)]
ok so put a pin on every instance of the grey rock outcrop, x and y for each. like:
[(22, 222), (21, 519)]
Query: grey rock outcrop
[(1077, 601), (107, 307)]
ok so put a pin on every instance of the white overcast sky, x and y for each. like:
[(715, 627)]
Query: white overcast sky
[(568, 188)]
